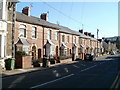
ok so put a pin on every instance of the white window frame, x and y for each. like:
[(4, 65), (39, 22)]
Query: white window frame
[(34, 32), (57, 36), (49, 34), (22, 27), (68, 39)]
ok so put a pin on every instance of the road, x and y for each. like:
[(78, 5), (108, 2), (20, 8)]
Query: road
[(102, 73)]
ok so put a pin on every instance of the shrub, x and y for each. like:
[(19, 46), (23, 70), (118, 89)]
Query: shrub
[(38, 61), (21, 53), (64, 57)]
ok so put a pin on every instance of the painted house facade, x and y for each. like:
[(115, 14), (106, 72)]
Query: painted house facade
[(7, 9)]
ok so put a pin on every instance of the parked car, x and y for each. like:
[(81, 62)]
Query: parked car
[(90, 57), (113, 52)]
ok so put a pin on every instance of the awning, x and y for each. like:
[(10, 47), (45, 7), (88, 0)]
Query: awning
[(63, 46), (75, 45), (92, 47), (49, 43), (88, 46), (23, 41), (81, 45)]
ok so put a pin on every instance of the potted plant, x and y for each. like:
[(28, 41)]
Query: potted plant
[(37, 63)]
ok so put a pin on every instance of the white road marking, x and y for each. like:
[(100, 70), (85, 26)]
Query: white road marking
[(75, 66), (63, 77), (115, 82), (52, 81), (88, 68)]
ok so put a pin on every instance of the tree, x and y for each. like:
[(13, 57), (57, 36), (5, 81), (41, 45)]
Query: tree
[(118, 43)]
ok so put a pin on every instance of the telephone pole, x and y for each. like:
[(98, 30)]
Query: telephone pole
[(97, 41)]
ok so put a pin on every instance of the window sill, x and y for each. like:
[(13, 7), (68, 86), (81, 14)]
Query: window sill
[(34, 38), (23, 37)]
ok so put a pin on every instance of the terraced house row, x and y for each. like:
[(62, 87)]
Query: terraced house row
[(38, 37)]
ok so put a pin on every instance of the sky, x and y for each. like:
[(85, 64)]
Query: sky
[(88, 16)]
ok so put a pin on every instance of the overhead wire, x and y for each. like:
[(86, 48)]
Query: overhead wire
[(68, 16)]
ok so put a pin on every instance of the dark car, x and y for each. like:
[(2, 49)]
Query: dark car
[(90, 57)]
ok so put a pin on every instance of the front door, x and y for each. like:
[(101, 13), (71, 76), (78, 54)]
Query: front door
[(39, 53), (56, 51), (33, 53)]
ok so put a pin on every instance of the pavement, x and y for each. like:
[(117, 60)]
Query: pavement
[(8, 73), (82, 74)]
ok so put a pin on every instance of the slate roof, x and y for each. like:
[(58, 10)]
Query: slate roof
[(69, 31), (13, 1), (37, 21), (23, 41), (34, 20)]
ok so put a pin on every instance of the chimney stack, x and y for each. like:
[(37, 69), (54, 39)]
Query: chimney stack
[(81, 31), (26, 11), (86, 33), (89, 34), (44, 16), (92, 35)]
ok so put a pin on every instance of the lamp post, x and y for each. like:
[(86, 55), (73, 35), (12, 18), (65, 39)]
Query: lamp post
[(97, 41)]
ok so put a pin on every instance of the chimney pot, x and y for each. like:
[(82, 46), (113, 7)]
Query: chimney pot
[(26, 11), (92, 35), (44, 16), (86, 33), (81, 31), (89, 34)]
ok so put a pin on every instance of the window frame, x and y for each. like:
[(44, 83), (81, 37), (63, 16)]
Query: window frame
[(35, 32), (63, 38), (57, 35), (49, 34), (68, 39), (22, 27)]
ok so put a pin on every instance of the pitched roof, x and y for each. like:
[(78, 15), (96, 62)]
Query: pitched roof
[(34, 20), (69, 31), (23, 41), (13, 1)]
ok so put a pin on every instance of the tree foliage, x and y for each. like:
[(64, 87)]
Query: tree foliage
[(118, 43)]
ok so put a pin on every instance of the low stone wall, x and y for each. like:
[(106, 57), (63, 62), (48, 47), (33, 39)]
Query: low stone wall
[(26, 61), (66, 60), (23, 61)]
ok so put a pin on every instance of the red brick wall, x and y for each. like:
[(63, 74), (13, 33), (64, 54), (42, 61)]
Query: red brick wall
[(26, 61), (23, 61), (37, 41)]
